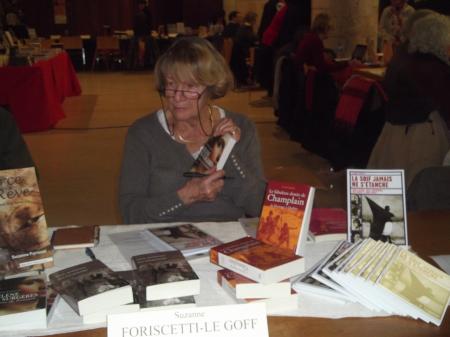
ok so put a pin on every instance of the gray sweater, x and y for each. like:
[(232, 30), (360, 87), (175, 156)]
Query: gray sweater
[(152, 172)]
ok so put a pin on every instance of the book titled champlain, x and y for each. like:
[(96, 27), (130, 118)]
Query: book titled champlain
[(166, 275), (91, 287), (257, 260), (24, 238), (285, 215), (23, 303)]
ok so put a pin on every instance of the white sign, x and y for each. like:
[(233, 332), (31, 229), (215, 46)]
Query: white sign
[(240, 320)]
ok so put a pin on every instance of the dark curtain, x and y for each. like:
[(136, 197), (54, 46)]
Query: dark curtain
[(200, 12)]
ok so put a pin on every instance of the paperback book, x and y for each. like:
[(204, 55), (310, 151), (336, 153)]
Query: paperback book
[(376, 205), (213, 154), (23, 303), (328, 224), (75, 237), (91, 287), (187, 238), (242, 287), (285, 216), (257, 260), (166, 275), (24, 240)]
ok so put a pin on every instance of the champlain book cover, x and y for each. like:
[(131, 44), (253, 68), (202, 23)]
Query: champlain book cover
[(187, 238), (257, 260), (166, 275), (75, 237), (23, 303), (139, 294), (285, 216), (214, 154), (24, 239), (376, 206), (91, 287)]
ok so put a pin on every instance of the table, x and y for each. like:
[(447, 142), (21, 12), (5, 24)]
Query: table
[(429, 233), (35, 94), (375, 73)]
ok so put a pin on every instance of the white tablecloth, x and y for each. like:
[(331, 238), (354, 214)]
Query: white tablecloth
[(65, 319)]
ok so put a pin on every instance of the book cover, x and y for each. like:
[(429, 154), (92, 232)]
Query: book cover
[(214, 153), (24, 238), (187, 238), (285, 215), (257, 260), (140, 298), (242, 287), (91, 287), (23, 303), (376, 206), (328, 224), (166, 275), (75, 237)]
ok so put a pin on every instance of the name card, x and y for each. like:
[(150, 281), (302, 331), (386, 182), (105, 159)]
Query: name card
[(240, 320)]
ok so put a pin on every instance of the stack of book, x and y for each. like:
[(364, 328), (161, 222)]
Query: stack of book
[(383, 277), (260, 268)]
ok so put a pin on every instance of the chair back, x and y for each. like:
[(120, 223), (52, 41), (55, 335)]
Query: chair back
[(71, 42), (109, 43)]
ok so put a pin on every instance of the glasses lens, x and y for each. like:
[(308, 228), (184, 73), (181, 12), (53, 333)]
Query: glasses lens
[(186, 93)]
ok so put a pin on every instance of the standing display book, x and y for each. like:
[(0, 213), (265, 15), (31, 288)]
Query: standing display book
[(24, 238), (187, 238), (285, 216), (376, 205), (166, 275), (257, 260), (91, 287), (23, 303), (213, 154)]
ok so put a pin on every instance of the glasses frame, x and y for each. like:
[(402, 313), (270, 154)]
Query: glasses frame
[(195, 95)]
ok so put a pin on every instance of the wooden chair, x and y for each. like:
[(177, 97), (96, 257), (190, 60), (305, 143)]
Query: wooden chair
[(107, 49), (74, 47)]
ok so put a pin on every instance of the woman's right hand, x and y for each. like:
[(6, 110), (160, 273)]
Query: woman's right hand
[(202, 189)]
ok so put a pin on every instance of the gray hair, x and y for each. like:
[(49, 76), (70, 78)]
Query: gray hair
[(431, 35), (415, 16)]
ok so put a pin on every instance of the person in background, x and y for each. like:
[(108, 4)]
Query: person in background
[(392, 20), (141, 45), (163, 145), (244, 40), (234, 22), (415, 135), (13, 149)]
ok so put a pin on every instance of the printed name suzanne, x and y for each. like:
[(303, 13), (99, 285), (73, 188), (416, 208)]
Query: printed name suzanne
[(189, 328)]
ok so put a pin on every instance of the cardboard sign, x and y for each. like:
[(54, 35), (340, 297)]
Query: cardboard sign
[(241, 320)]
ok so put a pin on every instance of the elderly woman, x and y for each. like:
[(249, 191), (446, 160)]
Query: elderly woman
[(417, 80), (162, 146)]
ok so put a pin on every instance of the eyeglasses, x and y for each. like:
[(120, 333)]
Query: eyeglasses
[(169, 92)]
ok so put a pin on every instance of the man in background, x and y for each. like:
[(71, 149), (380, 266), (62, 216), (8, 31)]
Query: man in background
[(234, 21)]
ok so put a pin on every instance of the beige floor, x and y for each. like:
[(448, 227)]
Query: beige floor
[(79, 161)]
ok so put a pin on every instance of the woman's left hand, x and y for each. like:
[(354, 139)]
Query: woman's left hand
[(227, 125)]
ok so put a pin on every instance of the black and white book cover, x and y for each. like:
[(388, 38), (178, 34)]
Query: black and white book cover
[(91, 286), (166, 275), (376, 206)]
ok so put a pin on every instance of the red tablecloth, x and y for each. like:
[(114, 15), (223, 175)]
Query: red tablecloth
[(35, 94)]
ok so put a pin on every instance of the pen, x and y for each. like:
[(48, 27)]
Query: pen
[(200, 175), (90, 253)]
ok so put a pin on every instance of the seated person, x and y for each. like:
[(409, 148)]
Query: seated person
[(13, 149), (415, 135), (163, 145)]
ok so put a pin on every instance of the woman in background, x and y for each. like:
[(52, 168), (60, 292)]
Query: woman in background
[(161, 146)]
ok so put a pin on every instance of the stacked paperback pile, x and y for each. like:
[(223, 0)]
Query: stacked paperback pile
[(260, 268), (383, 277)]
